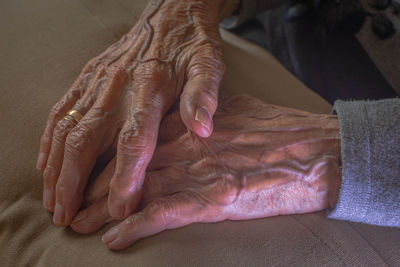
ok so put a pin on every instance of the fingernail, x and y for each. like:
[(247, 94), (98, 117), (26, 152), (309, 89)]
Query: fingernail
[(81, 215), (110, 236), (203, 117), (41, 161), (58, 217), (47, 199)]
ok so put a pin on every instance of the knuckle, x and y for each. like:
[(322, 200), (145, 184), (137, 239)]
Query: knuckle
[(115, 70), (54, 113), (188, 96), (135, 219), (136, 136), (127, 137), (56, 110), (207, 66), (151, 72), (163, 211), (78, 140), (89, 67), (210, 95), (117, 74), (61, 130)]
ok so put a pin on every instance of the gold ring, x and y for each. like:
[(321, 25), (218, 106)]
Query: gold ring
[(73, 116)]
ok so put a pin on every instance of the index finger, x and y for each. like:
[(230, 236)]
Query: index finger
[(164, 213)]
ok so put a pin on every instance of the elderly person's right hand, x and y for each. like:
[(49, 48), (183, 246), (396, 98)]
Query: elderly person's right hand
[(174, 51), (261, 160)]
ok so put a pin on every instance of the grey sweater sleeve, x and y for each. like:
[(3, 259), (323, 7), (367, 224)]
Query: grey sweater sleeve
[(370, 143), (247, 9)]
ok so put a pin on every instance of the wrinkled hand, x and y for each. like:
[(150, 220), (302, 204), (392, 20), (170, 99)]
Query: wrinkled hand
[(123, 95), (261, 160)]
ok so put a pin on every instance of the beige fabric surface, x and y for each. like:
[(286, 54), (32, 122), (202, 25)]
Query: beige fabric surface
[(43, 46)]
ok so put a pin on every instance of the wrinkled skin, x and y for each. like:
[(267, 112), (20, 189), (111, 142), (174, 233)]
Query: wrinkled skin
[(173, 52), (261, 160)]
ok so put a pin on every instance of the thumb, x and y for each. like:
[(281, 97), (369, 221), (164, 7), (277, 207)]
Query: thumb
[(199, 99)]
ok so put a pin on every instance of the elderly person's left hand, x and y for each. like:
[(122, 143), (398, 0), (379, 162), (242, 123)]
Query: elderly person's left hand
[(261, 160)]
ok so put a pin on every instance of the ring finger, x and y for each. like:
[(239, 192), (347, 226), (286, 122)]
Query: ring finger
[(54, 162), (60, 133), (60, 109)]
